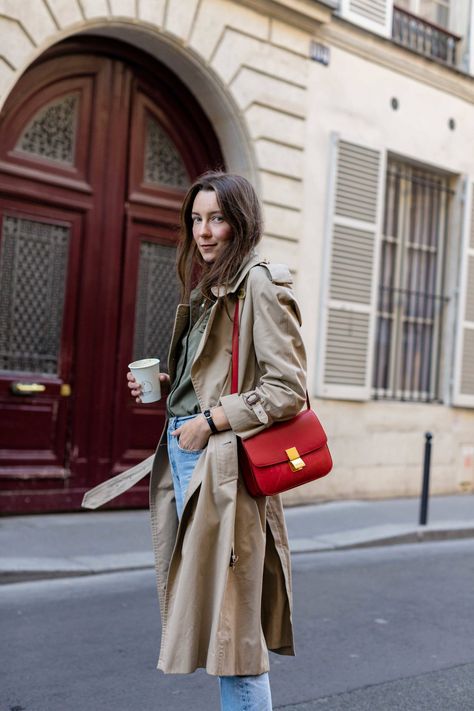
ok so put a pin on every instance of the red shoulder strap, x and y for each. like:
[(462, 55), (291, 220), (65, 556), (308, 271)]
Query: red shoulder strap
[(235, 349)]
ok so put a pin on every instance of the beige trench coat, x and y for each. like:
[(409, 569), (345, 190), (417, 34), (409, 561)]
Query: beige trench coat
[(224, 579), (223, 572)]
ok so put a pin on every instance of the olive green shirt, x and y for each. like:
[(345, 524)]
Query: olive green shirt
[(182, 400)]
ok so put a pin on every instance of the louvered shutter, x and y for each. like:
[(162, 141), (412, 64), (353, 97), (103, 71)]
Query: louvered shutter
[(374, 15), (349, 276), (463, 391)]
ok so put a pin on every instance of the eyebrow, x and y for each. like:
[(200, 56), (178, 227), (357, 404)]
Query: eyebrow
[(214, 212)]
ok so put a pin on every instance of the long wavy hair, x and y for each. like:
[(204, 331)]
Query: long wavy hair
[(240, 207)]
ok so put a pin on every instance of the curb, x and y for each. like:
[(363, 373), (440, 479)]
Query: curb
[(22, 570), (343, 542)]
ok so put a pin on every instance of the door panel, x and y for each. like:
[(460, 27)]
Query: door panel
[(39, 267), (47, 134), (150, 294), (159, 158)]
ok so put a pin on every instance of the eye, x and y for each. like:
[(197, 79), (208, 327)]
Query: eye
[(218, 218), (195, 219)]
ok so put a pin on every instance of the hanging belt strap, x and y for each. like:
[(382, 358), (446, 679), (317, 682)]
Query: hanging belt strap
[(109, 489)]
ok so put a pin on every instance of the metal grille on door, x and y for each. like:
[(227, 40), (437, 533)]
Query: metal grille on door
[(33, 267), (51, 134), (157, 298), (163, 163)]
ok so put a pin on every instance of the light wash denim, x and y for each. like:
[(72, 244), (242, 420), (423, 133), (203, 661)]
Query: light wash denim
[(238, 693), (245, 693), (182, 462)]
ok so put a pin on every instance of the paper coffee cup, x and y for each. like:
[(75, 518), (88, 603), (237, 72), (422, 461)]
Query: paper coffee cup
[(147, 373)]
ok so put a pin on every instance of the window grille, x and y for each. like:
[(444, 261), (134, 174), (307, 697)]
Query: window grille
[(33, 271), (163, 163), (157, 298), (411, 299), (51, 134)]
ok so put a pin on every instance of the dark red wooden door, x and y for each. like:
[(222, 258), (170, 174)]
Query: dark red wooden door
[(95, 156)]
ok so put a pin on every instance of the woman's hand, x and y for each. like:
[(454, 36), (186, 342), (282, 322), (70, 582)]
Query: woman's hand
[(194, 434), (136, 388)]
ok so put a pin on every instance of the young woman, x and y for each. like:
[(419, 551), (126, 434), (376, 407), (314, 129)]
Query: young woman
[(222, 557)]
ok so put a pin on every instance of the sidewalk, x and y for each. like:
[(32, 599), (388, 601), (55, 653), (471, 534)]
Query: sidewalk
[(60, 545)]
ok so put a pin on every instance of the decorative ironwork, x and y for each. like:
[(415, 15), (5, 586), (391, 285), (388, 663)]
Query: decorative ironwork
[(33, 268), (51, 134), (163, 163), (412, 304), (157, 298), (424, 37)]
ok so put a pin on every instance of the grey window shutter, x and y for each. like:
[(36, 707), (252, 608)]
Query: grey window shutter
[(374, 15), (350, 272), (463, 391)]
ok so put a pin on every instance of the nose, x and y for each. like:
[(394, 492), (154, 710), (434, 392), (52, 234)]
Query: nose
[(203, 229)]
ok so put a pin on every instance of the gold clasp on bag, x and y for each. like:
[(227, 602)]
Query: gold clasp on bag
[(296, 463)]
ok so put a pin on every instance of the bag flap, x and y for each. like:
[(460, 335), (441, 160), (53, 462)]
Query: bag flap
[(304, 432)]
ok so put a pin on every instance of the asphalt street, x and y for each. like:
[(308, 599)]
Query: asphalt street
[(385, 629)]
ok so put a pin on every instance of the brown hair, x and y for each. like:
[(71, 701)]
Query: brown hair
[(240, 207)]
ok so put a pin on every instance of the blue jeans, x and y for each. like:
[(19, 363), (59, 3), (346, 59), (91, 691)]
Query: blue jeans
[(182, 462), (238, 693), (245, 693)]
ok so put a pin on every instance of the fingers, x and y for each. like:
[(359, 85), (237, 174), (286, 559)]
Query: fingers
[(131, 382), (134, 387)]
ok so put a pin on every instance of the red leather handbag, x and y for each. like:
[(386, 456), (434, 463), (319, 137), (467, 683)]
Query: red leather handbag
[(285, 455)]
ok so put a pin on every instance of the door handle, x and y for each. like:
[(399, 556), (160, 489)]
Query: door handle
[(27, 388)]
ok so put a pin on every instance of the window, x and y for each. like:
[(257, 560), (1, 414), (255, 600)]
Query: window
[(435, 11), (411, 301)]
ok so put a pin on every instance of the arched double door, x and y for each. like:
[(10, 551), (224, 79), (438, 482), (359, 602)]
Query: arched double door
[(97, 146)]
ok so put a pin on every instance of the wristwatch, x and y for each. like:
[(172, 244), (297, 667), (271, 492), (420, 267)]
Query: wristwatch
[(210, 421)]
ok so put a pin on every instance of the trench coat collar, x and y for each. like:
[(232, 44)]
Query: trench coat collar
[(252, 260)]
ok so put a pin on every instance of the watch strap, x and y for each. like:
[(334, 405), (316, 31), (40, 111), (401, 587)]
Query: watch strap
[(210, 421)]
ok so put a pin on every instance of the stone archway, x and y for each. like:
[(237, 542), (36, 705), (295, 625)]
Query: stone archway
[(247, 66), (28, 32)]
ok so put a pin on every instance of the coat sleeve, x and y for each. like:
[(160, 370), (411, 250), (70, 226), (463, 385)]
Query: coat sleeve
[(280, 392)]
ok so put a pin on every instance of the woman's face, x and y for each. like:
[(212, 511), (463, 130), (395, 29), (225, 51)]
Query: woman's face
[(211, 232)]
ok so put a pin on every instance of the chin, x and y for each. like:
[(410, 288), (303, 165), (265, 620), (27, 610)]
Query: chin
[(208, 258)]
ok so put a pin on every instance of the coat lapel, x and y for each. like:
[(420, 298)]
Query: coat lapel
[(252, 261), (180, 324)]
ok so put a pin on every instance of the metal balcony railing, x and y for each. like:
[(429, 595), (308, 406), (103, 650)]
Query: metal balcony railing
[(424, 37)]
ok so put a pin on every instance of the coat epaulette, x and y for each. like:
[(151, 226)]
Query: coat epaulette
[(279, 273)]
